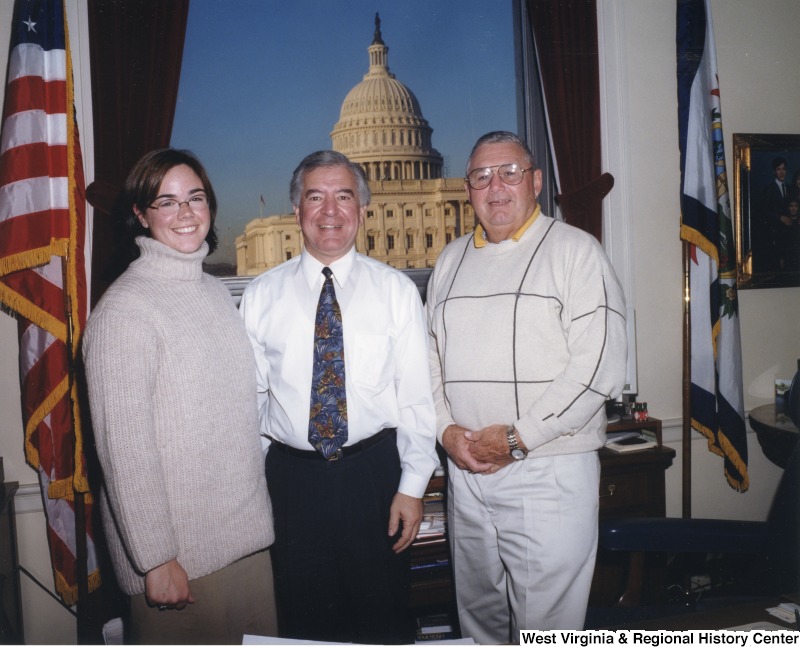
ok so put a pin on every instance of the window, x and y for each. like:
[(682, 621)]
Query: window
[(409, 241), (371, 242), (253, 150), (389, 241), (389, 213), (428, 240), (448, 237), (288, 254), (288, 237)]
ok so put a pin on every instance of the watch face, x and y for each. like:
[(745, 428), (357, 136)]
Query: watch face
[(517, 454)]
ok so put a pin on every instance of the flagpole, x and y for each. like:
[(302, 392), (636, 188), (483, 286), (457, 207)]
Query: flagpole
[(79, 503), (686, 453)]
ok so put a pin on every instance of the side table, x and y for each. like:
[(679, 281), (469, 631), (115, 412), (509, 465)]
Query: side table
[(776, 433)]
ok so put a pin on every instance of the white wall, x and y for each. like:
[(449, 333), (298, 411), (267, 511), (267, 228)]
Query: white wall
[(758, 63), (759, 93)]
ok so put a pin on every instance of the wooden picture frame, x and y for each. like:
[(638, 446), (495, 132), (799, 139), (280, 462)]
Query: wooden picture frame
[(767, 224)]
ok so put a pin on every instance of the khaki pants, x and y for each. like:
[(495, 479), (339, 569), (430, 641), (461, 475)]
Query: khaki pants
[(236, 600), (523, 544)]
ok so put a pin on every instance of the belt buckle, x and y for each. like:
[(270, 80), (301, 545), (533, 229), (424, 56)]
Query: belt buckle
[(336, 455)]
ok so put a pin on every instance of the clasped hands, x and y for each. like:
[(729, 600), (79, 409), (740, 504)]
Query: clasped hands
[(481, 452)]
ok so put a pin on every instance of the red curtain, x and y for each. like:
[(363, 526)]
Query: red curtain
[(136, 48), (565, 33)]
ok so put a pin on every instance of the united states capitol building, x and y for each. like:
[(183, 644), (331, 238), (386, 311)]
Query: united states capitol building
[(414, 212)]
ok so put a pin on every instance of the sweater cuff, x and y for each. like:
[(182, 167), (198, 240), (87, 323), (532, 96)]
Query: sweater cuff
[(441, 427), (536, 432)]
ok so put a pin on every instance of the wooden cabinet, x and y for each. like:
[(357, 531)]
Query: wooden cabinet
[(631, 485)]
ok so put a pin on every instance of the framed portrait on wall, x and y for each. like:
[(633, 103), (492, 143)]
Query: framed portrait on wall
[(766, 209)]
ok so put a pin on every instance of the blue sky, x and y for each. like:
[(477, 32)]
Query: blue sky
[(263, 82)]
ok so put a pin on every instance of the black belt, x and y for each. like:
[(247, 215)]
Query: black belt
[(348, 450)]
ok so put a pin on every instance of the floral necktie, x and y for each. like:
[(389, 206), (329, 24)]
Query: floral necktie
[(327, 423)]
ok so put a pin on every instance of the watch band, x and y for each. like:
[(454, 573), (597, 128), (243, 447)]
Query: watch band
[(515, 451)]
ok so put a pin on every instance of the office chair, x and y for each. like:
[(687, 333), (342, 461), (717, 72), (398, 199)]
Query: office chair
[(773, 546)]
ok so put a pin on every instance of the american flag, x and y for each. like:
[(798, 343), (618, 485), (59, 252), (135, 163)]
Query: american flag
[(717, 400), (42, 267)]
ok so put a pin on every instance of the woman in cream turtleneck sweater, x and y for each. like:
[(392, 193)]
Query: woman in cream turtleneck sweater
[(171, 380)]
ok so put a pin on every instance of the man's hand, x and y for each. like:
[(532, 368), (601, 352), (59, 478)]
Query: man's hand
[(168, 585), (408, 510), (490, 445), (456, 443)]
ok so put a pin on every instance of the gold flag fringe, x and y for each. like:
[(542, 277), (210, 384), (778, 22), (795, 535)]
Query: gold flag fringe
[(34, 257), (720, 445), (80, 479), (696, 238), (32, 313), (69, 593)]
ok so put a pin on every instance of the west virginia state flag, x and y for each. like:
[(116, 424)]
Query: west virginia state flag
[(42, 268), (717, 404)]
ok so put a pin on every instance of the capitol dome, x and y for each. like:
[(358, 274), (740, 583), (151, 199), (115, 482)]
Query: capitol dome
[(381, 125)]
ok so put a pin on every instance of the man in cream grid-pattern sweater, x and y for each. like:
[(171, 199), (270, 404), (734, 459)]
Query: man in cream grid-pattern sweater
[(528, 341)]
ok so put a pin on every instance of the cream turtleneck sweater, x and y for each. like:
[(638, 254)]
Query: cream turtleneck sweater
[(171, 380)]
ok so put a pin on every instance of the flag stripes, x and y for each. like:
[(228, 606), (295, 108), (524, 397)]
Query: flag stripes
[(42, 268)]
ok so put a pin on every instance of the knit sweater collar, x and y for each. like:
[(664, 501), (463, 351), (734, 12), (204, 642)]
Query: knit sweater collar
[(158, 260)]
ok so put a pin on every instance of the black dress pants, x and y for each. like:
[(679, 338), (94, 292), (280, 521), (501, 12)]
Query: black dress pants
[(336, 576)]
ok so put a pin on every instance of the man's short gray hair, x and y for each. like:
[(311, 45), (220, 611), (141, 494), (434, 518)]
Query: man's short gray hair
[(328, 159), (501, 137)]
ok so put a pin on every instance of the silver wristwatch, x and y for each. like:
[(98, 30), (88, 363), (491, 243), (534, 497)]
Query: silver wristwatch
[(516, 452)]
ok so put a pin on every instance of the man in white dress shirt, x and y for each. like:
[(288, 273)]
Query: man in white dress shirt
[(342, 524)]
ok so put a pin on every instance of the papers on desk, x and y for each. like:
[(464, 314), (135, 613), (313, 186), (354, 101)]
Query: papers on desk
[(786, 611), (630, 441)]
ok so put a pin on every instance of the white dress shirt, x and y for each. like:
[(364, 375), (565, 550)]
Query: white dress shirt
[(387, 377)]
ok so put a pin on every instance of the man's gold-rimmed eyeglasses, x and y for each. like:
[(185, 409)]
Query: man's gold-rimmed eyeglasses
[(480, 178), (170, 207)]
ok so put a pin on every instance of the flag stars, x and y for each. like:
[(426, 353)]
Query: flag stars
[(30, 25)]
